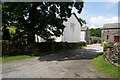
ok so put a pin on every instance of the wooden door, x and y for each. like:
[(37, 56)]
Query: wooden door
[(116, 38)]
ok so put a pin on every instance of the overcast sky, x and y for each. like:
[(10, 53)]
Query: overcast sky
[(99, 13)]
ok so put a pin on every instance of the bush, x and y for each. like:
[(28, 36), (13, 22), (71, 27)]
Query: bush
[(104, 45), (94, 39)]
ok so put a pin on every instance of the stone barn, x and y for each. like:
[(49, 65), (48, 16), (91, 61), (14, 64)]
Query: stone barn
[(85, 34), (111, 32)]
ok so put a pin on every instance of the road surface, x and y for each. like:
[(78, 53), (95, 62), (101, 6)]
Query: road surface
[(69, 64)]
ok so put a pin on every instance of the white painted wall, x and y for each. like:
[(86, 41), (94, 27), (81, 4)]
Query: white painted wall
[(71, 33), (83, 34), (59, 39), (72, 30), (38, 38)]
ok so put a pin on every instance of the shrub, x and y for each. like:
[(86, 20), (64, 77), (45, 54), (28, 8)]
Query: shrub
[(94, 39), (104, 45)]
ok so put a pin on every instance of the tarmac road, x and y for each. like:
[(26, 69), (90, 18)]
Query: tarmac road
[(70, 64)]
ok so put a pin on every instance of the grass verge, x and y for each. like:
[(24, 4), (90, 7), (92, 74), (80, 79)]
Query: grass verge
[(106, 67), (11, 58)]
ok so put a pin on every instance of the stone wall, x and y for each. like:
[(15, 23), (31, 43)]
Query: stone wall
[(17, 48), (112, 53)]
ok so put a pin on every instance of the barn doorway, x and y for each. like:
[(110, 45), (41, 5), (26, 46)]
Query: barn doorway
[(116, 38)]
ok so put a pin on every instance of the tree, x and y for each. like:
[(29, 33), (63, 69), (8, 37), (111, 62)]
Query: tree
[(42, 18), (6, 34), (83, 22), (95, 32)]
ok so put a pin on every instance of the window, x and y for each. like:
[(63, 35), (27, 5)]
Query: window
[(72, 26), (107, 37)]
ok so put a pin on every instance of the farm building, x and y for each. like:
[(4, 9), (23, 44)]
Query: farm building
[(73, 32), (85, 34), (111, 32)]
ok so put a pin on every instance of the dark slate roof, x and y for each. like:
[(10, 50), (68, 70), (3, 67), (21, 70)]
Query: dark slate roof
[(111, 26), (84, 28)]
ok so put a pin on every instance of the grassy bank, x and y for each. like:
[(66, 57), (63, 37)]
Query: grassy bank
[(106, 67)]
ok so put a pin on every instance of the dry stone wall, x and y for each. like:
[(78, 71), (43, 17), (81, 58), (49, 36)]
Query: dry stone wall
[(13, 49), (112, 53)]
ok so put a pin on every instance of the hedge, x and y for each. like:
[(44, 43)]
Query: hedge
[(13, 49)]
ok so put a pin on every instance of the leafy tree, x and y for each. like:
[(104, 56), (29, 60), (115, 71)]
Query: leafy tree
[(12, 30), (42, 18), (83, 22), (0, 34), (95, 32), (6, 34)]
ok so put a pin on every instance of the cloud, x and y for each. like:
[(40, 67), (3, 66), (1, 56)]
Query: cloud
[(99, 21)]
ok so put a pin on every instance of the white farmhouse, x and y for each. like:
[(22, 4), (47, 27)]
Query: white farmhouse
[(73, 32)]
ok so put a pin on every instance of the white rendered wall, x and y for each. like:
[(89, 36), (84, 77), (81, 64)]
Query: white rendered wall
[(58, 39), (83, 36), (71, 33), (72, 30), (38, 38)]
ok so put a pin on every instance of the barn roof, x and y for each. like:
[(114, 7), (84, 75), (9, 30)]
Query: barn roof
[(111, 26), (84, 28)]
